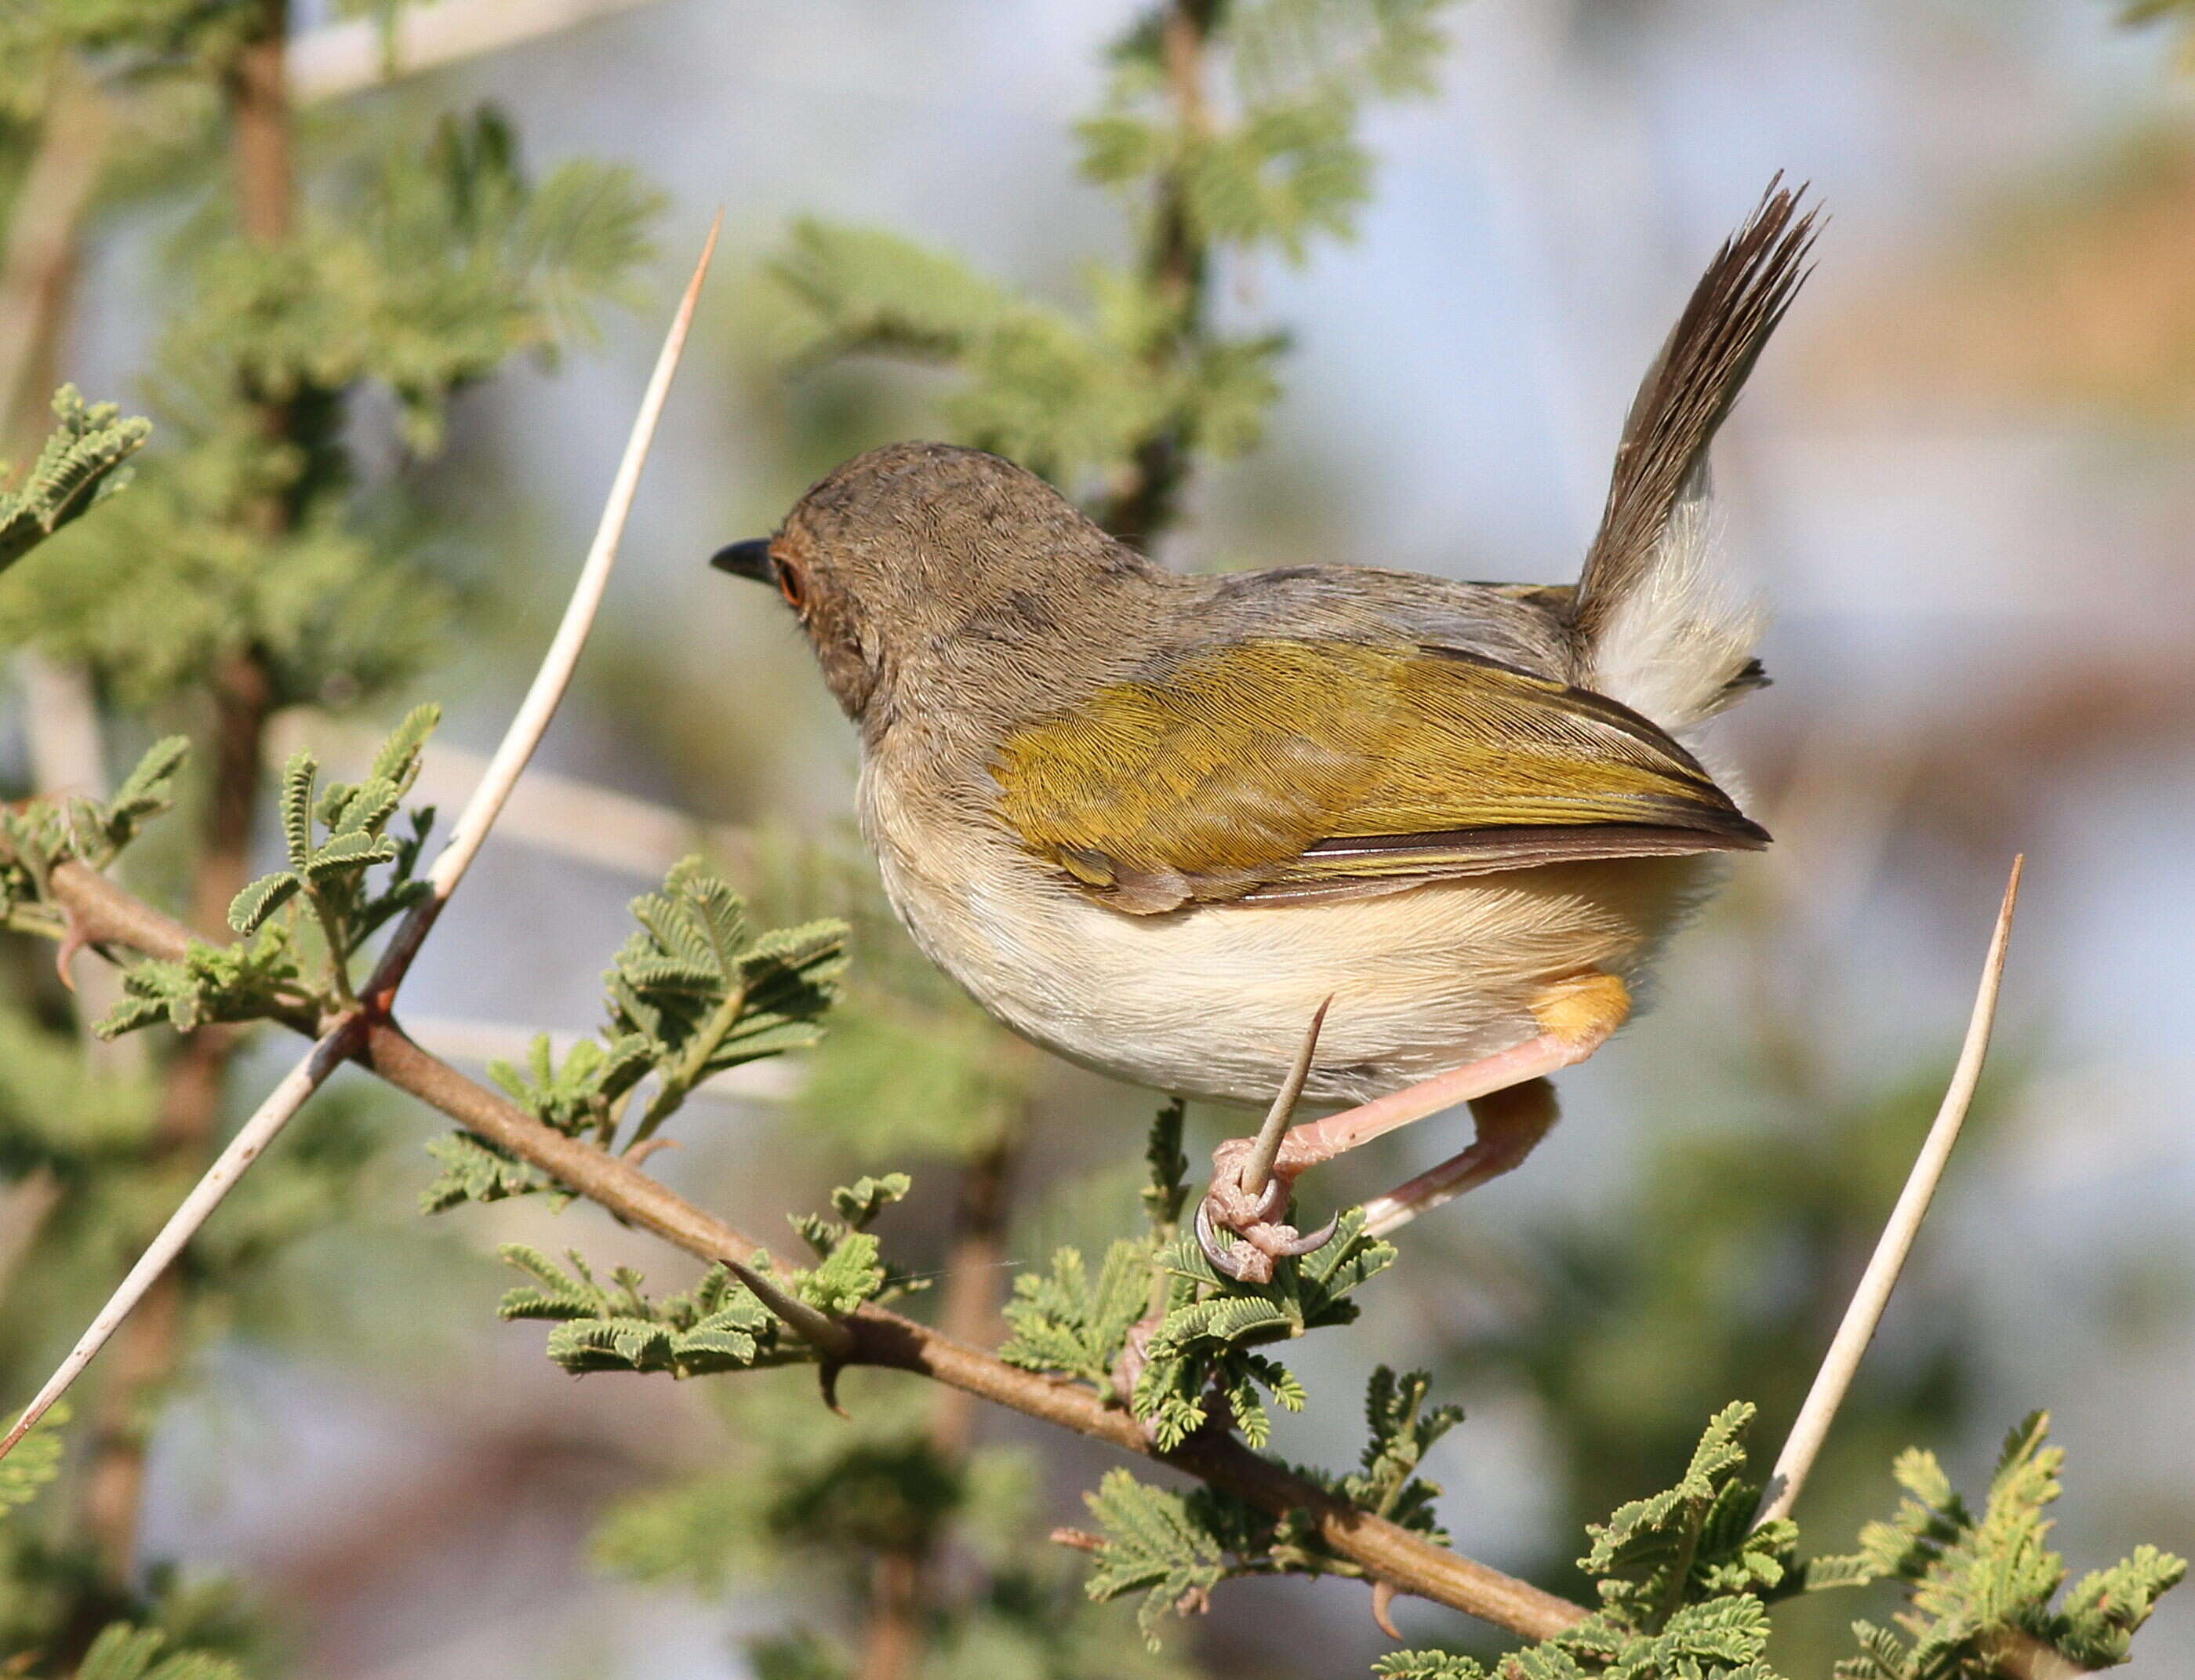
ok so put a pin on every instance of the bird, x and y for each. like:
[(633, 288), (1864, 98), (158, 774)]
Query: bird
[(1380, 842)]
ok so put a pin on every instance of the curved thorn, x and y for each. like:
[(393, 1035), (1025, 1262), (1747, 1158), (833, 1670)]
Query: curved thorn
[(1383, 1600), (1872, 1295), (1296, 1247), (1223, 1258), (1259, 1166)]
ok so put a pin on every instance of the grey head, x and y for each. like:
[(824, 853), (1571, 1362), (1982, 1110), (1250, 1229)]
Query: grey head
[(909, 562)]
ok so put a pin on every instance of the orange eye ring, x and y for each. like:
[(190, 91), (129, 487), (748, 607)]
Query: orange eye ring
[(791, 586)]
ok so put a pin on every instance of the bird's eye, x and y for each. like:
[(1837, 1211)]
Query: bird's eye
[(791, 585)]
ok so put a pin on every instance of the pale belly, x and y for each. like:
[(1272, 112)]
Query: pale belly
[(1213, 1002)]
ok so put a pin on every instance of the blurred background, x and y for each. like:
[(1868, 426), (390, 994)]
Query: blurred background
[(1959, 478)]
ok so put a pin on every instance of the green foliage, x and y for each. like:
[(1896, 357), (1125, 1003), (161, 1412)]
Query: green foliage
[(1070, 398), (1061, 1322), (1167, 1191), (263, 558), (1401, 1430), (717, 1325), (1199, 1366), (39, 833), (694, 993), (1288, 164), (1154, 1542), (1175, 1548), (418, 270), (1092, 398), (327, 870), (80, 466), (1654, 1554), (704, 994), (1980, 1589), (1685, 1581), (124, 1653), (247, 981), (35, 1460), (857, 1206)]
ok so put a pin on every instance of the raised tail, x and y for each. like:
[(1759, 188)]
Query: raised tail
[(1657, 627)]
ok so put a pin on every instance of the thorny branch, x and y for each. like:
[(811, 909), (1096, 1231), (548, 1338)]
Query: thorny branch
[(876, 1336), (338, 1036)]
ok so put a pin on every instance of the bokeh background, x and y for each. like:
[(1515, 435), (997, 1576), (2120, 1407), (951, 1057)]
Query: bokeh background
[(1961, 479)]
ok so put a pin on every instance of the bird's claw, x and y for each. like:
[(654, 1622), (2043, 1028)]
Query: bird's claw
[(1258, 1244)]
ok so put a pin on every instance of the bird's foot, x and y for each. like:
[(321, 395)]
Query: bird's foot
[(1255, 1220)]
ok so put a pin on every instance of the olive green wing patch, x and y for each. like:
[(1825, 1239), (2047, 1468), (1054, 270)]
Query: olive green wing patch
[(1283, 769)]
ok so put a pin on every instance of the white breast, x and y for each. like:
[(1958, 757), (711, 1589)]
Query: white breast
[(1212, 1002)]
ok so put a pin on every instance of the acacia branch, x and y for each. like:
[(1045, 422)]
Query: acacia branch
[(194, 1083), (110, 916)]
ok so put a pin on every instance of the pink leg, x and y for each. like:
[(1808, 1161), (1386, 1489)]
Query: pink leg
[(1511, 1124), (1576, 1017)]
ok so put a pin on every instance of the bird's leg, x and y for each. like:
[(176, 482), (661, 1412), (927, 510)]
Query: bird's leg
[(1509, 1124), (1576, 1017)]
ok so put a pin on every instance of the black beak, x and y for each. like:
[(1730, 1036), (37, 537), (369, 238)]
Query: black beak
[(748, 559)]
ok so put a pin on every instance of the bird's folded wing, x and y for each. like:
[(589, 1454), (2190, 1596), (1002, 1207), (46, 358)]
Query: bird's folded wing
[(1291, 769)]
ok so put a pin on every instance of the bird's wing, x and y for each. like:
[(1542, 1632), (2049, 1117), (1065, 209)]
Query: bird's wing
[(1289, 769)]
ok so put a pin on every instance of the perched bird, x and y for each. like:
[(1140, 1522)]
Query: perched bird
[(1394, 841)]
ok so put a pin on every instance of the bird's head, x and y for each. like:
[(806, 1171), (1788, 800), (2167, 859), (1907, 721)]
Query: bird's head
[(919, 555)]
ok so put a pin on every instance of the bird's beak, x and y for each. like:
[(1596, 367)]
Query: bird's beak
[(748, 559)]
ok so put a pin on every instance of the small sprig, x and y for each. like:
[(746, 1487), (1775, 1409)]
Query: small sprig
[(125, 1652), (1062, 1322), (1981, 1588), (1201, 1350), (692, 994), (39, 833), (737, 1318), (80, 466), (702, 993), (1167, 1191), (334, 837), (1156, 1542), (248, 981), (857, 1206), (1402, 1428), (717, 1325)]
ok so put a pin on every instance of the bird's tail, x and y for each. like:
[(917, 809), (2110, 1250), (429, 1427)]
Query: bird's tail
[(1659, 630)]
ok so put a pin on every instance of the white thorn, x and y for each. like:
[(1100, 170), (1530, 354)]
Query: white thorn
[(1259, 1166), (328, 1053), (478, 816), (1796, 1461)]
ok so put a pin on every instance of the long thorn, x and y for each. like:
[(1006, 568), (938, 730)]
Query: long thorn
[(1796, 1461), (557, 664), (1259, 1166), (478, 816), (328, 1053)]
